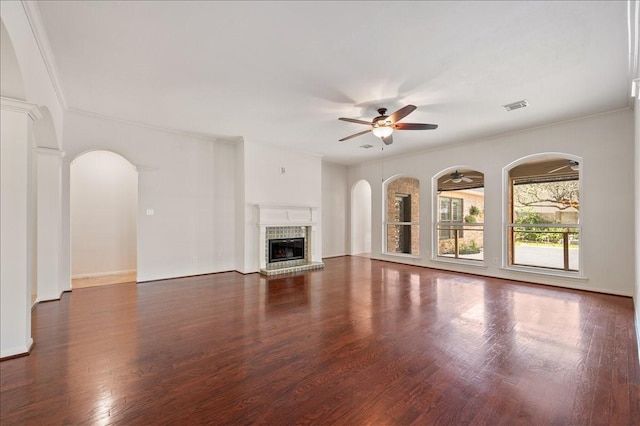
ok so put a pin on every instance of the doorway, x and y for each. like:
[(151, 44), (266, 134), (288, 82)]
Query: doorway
[(104, 210)]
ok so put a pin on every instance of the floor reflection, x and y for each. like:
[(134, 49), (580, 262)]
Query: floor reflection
[(286, 292)]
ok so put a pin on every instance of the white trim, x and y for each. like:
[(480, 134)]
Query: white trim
[(103, 274), (540, 270), (40, 35), (17, 350), (460, 261), (231, 140), (16, 105), (49, 151), (405, 255)]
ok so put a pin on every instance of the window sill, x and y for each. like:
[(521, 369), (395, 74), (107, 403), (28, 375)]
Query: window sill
[(405, 255), (546, 272), (466, 262)]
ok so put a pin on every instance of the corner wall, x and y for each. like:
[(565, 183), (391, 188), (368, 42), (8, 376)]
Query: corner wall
[(188, 182), (335, 202), (276, 176)]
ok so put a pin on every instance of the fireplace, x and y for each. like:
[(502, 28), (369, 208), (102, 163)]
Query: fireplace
[(288, 240), (285, 249)]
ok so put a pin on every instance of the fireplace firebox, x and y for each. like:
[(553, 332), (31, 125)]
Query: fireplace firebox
[(284, 249)]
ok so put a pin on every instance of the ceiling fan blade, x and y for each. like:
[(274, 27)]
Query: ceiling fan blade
[(466, 179), (448, 180), (388, 140), (415, 126), (353, 120), (559, 168), (402, 113), (353, 136)]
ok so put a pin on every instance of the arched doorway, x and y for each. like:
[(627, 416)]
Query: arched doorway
[(361, 218), (104, 206)]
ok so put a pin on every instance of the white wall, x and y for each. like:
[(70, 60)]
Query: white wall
[(189, 183), (636, 297), (16, 239), (335, 202), (104, 213), (606, 145), (299, 185)]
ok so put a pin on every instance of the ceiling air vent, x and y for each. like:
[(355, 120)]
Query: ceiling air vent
[(366, 146), (516, 105)]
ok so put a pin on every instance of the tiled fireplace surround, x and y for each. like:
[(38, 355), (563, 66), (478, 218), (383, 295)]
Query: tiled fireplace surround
[(287, 222)]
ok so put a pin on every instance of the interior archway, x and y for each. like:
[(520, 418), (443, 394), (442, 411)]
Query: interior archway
[(361, 218), (104, 194)]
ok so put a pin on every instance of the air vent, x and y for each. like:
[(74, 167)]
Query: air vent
[(516, 105), (366, 146)]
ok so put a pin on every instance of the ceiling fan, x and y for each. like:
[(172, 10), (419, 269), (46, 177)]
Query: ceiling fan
[(384, 125), (574, 165), (457, 177)]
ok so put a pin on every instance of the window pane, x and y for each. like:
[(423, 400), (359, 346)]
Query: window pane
[(403, 239), (456, 210), (445, 212), (470, 242), (555, 248), (545, 192)]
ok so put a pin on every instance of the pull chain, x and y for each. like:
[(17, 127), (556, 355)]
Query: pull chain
[(382, 161)]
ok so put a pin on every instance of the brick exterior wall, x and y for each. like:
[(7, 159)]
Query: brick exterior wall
[(405, 186)]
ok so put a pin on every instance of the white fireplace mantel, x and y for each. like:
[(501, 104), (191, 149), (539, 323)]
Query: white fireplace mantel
[(277, 215), (280, 215)]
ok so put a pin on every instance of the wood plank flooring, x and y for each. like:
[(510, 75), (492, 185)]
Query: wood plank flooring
[(359, 342)]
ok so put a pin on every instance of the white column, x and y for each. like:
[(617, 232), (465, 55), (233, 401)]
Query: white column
[(15, 230), (65, 249), (49, 223)]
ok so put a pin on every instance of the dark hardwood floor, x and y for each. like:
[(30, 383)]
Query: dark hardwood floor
[(360, 342)]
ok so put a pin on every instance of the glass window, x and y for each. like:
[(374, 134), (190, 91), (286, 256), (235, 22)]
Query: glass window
[(460, 224), (544, 215)]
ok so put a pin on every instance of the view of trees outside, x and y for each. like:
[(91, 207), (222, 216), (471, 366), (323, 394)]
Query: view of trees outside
[(541, 205)]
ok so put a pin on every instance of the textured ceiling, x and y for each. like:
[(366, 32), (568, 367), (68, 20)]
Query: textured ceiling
[(283, 72)]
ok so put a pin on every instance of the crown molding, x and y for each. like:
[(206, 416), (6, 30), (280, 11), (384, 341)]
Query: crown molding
[(49, 151), (232, 140), (40, 35), (16, 105)]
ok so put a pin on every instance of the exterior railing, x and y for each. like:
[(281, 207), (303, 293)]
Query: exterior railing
[(463, 241), (566, 236)]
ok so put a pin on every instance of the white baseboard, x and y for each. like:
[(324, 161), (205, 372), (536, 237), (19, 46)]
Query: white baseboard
[(103, 274)]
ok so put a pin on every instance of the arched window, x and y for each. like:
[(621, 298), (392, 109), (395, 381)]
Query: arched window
[(459, 219), (543, 213), (403, 216)]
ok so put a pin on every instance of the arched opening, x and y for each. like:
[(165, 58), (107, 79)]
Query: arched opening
[(361, 219), (459, 215), (402, 216), (542, 212), (104, 206)]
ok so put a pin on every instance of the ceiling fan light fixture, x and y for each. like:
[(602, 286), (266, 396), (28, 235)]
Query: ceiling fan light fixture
[(456, 180), (382, 131)]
